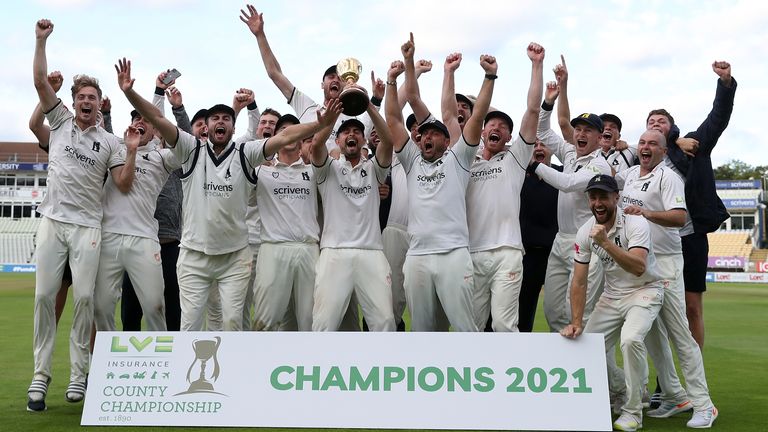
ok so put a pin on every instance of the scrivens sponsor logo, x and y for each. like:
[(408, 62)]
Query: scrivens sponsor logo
[(218, 190), (431, 181), (486, 174), (291, 193), (355, 192), (626, 200), (140, 170), (84, 160)]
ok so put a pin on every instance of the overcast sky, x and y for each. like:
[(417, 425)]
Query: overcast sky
[(624, 57)]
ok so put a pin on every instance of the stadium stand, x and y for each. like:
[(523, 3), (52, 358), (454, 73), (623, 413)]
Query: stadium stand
[(17, 240), (730, 244)]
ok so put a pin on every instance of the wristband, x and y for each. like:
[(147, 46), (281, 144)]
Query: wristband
[(159, 91), (252, 106), (491, 76), (547, 107), (376, 101)]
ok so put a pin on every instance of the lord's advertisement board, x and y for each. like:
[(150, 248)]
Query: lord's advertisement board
[(475, 381)]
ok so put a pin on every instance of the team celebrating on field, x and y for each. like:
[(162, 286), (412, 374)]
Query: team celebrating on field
[(310, 217)]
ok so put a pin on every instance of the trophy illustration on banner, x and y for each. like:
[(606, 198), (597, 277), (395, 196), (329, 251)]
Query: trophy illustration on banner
[(354, 98), (205, 351)]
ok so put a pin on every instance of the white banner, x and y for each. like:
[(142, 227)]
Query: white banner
[(535, 381), (738, 277)]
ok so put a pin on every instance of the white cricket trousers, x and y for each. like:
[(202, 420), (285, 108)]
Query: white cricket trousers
[(557, 287), (629, 319), (214, 320), (198, 271), (140, 257), (440, 279), (57, 243), (396, 241), (672, 324), (498, 275), (284, 272), (342, 271)]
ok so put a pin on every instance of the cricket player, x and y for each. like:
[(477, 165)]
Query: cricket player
[(81, 153), (654, 191), (438, 267), (286, 192), (581, 161), (495, 241), (129, 234), (351, 251), (633, 290), (216, 179)]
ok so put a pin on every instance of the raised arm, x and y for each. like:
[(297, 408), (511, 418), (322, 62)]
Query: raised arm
[(177, 108), (530, 119), (448, 106), (106, 114), (392, 108), (474, 125), (245, 98), (717, 120), (384, 151), (422, 67), (37, 121), (563, 109), (255, 22), (411, 85), (148, 112), (293, 133), (319, 151), (48, 99)]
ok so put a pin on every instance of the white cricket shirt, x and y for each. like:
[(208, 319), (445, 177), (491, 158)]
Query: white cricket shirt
[(660, 190), (493, 198), (350, 197), (437, 207), (133, 213), (78, 161), (287, 197), (628, 232), (216, 191), (572, 205)]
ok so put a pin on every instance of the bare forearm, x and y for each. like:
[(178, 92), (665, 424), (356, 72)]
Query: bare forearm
[(578, 300), (630, 262), (384, 153), (670, 218), (45, 92), (126, 173), (319, 150), (530, 119)]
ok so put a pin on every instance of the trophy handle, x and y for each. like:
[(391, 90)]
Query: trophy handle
[(215, 375)]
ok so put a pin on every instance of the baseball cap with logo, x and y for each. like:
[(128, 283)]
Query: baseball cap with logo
[(588, 119), (434, 124), (134, 115), (220, 109), (410, 121), (603, 182), (351, 122), (201, 114)]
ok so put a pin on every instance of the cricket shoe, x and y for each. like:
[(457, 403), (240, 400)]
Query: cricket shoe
[(627, 422), (670, 408), (703, 419)]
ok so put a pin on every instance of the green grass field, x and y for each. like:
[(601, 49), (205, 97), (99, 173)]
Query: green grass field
[(735, 354)]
